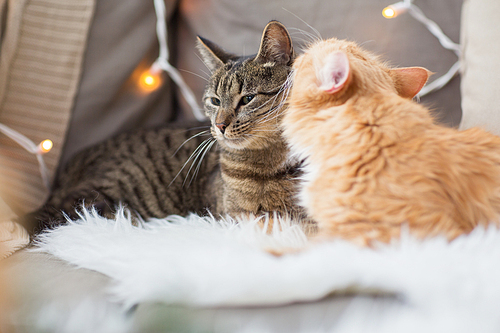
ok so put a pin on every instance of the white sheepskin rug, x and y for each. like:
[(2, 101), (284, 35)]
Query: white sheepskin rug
[(450, 287)]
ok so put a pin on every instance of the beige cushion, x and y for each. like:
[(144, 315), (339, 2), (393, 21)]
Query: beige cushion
[(41, 54), (481, 65)]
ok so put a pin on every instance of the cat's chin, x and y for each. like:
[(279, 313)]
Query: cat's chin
[(237, 144), (242, 143)]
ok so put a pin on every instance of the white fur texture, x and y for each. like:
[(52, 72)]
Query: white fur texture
[(443, 287)]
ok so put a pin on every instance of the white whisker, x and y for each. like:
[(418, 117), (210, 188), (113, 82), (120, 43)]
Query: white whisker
[(275, 111), (195, 74), (309, 38), (209, 71), (310, 26), (200, 160), (198, 151), (194, 136), (193, 154)]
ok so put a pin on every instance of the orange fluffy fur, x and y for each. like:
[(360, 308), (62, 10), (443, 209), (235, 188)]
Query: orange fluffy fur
[(376, 159)]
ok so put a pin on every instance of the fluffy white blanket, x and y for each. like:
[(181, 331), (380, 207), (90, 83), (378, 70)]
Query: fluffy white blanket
[(207, 262)]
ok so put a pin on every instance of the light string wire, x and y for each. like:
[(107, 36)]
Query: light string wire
[(445, 41), (162, 61), (27, 144)]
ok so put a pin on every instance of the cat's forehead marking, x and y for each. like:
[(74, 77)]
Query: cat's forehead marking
[(229, 84), (245, 76)]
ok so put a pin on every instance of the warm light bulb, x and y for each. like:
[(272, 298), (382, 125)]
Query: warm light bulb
[(45, 146), (395, 9), (149, 81), (388, 12)]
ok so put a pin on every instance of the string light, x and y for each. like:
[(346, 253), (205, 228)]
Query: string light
[(45, 146), (401, 7), (150, 81), (388, 12), (395, 9)]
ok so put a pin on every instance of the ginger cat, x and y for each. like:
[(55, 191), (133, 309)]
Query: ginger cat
[(375, 159)]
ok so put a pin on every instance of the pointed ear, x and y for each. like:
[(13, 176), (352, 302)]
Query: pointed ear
[(276, 45), (213, 55), (334, 74), (410, 80)]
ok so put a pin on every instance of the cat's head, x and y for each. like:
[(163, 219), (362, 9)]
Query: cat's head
[(333, 70), (245, 96)]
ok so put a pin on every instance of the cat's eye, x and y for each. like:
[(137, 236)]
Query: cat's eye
[(215, 101), (247, 99)]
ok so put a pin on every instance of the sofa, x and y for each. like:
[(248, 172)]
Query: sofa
[(69, 72)]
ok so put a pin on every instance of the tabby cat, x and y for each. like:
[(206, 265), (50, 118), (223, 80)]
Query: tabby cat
[(376, 160), (257, 174), (151, 172)]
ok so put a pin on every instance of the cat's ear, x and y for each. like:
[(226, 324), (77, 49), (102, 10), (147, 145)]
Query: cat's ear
[(334, 73), (213, 55), (276, 45), (409, 80)]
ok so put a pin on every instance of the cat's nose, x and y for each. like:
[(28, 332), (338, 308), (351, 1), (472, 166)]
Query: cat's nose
[(222, 127)]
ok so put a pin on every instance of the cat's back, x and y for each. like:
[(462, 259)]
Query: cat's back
[(154, 172), (149, 148), (467, 162), (464, 153), (434, 177)]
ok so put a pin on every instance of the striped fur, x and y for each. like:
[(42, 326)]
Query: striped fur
[(245, 99), (153, 172)]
